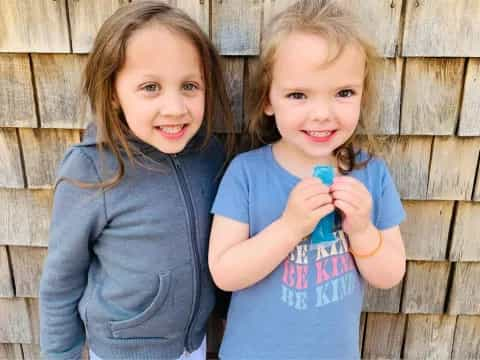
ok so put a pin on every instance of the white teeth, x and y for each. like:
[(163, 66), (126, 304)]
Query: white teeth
[(171, 129), (319, 133)]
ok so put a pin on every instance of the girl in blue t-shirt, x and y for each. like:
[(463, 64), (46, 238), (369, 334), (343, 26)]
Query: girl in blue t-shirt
[(294, 298)]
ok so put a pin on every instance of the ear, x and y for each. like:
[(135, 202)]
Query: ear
[(115, 102), (268, 109)]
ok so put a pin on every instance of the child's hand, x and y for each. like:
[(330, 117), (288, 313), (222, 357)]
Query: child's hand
[(355, 202), (308, 202)]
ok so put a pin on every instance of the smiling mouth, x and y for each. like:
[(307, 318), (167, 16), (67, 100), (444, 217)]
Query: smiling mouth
[(320, 136), (172, 131)]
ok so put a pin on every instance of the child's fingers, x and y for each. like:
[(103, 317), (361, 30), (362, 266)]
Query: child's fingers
[(318, 200), (322, 211), (353, 199), (346, 207)]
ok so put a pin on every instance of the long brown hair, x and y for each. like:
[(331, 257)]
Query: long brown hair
[(108, 56), (323, 18)]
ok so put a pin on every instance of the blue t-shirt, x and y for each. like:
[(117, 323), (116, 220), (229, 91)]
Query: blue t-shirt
[(309, 306)]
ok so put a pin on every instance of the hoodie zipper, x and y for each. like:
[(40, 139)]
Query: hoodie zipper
[(194, 248)]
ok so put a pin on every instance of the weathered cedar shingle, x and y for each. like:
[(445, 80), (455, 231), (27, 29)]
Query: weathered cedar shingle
[(6, 288), (384, 336), (11, 173), (27, 263), (465, 292), (466, 344), (236, 26), (469, 121), (42, 150), (431, 97), (34, 26), (25, 216), (452, 171), (429, 337), (408, 159), (17, 107), (425, 287), (57, 81), (466, 234), (441, 28), (425, 230)]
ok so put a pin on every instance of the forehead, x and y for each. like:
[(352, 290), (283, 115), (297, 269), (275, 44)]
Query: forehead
[(311, 58), (156, 48)]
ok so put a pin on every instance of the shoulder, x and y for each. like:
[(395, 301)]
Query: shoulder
[(375, 164), (249, 160), (79, 163)]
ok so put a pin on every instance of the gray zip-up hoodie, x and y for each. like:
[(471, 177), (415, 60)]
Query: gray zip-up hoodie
[(127, 267)]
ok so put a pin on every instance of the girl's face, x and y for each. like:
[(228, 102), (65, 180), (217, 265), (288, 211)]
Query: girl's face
[(160, 88), (316, 103)]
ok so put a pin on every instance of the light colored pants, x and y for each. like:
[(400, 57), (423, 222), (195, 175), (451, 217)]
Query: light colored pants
[(199, 354)]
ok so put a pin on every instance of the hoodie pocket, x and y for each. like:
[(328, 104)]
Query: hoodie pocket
[(166, 316), (129, 328)]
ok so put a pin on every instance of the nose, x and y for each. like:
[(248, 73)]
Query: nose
[(173, 105), (321, 110)]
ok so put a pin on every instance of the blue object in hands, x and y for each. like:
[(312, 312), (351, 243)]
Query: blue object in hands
[(324, 232)]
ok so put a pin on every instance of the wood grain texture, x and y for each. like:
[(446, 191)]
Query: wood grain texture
[(17, 104), (466, 343), (384, 336), (441, 28), (58, 84), (25, 216), (379, 20), (236, 26), (469, 123), (27, 263), (233, 68), (431, 97), (466, 235), (31, 351), (380, 300), (42, 150), (425, 287), (363, 323), (476, 194), (408, 160), (453, 167), (425, 230), (86, 17), (15, 321), (197, 10), (429, 337), (11, 352), (34, 26), (6, 287), (34, 317), (382, 115), (11, 173), (465, 292)]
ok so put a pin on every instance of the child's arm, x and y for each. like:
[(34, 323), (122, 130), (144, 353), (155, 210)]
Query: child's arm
[(78, 217), (237, 261), (386, 268), (380, 254)]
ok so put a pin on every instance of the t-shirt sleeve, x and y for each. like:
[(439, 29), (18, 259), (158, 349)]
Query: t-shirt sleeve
[(390, 210), (232, 196)]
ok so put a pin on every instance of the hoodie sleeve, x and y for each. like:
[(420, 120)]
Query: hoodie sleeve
[(78, 218)]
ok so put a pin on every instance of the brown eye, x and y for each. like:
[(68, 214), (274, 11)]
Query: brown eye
[(297, 96), (151, 87), (346, 93), (190, 86)]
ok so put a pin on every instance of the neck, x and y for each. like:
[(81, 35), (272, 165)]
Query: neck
[(299, 163)]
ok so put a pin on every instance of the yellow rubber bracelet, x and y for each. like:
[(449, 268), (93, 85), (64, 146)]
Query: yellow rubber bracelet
[(371, 253)]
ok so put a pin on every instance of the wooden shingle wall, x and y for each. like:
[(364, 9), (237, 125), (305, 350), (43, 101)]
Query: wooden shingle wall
[(428, 108)]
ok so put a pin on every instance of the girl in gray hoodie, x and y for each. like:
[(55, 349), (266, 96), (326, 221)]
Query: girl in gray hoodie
[(127, 264)]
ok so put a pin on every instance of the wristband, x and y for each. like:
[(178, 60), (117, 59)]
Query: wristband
[(371, 253)]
